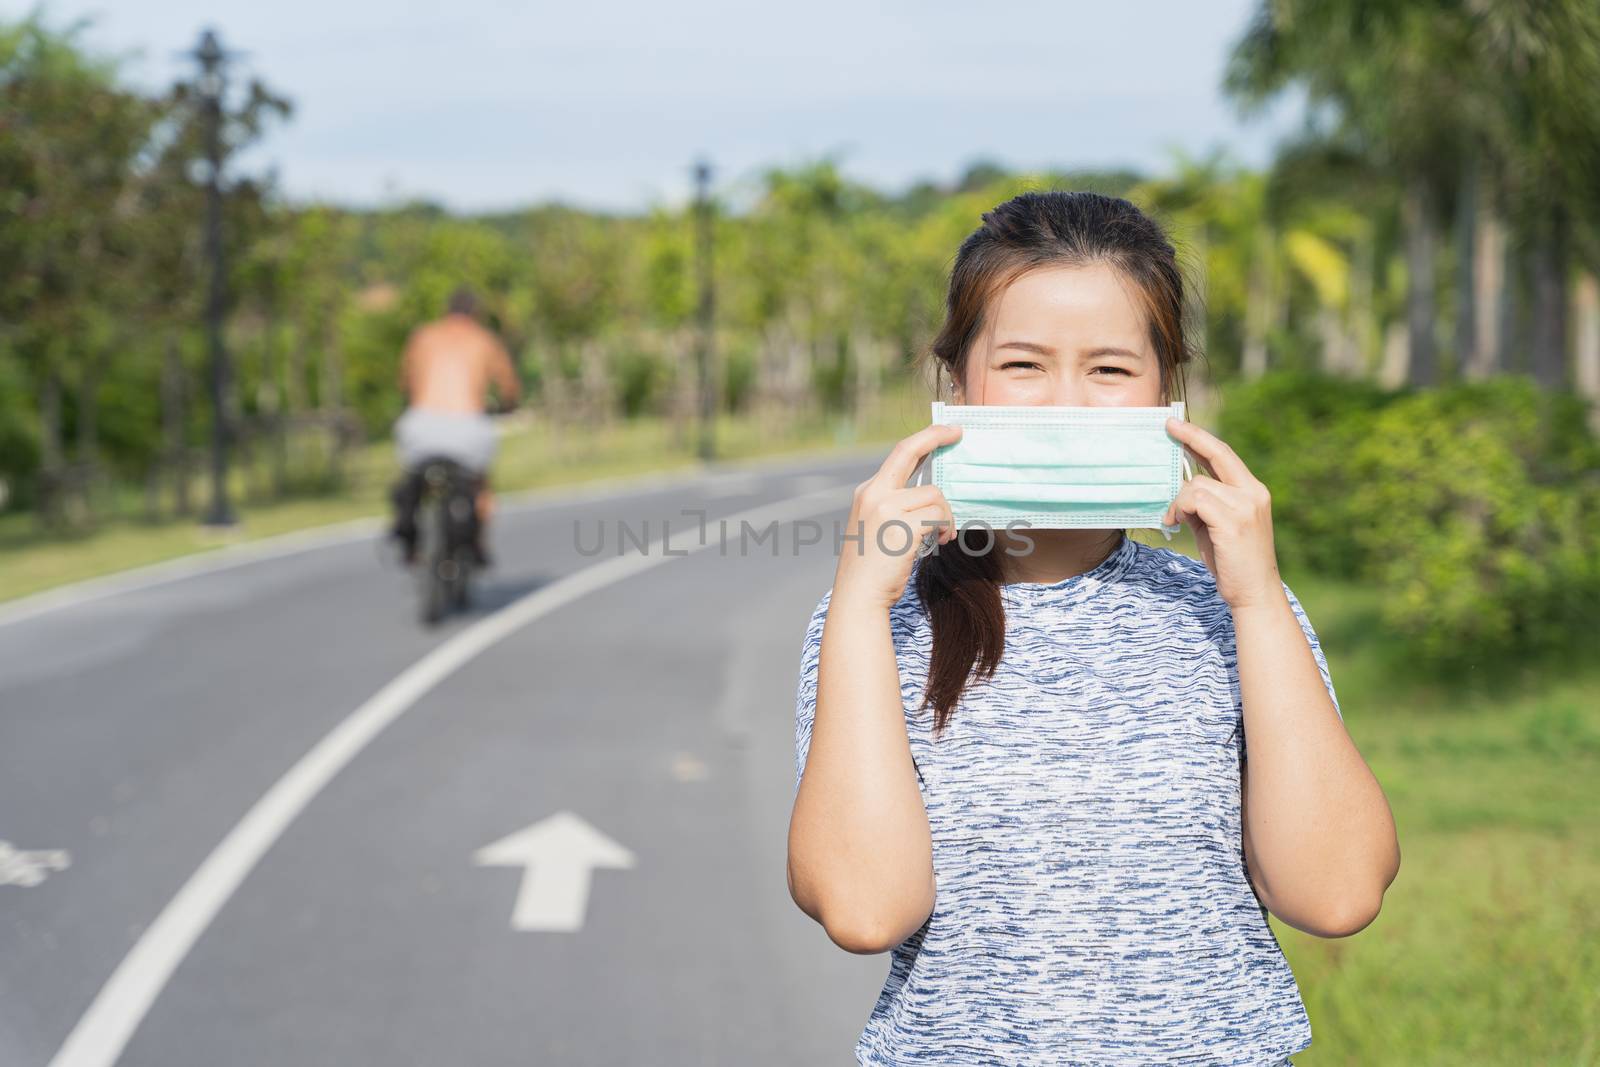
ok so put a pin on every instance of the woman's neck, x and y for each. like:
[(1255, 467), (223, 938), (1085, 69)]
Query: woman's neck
[(1056, 555)]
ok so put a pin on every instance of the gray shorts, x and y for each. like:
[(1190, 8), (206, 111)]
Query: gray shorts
[(421, 434)]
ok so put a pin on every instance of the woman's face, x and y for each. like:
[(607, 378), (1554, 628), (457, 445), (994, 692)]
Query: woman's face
[(1064, 335)]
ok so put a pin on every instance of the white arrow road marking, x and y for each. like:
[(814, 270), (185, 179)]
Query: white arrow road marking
[(558, 853), (122, 1002)]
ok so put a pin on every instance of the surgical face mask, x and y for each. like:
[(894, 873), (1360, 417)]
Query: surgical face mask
[(1053, 467)]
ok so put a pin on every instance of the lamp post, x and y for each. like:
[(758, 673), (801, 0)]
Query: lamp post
[(212, 80), (708, 397)]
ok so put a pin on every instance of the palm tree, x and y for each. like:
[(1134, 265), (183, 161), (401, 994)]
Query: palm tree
[(1489, 105)]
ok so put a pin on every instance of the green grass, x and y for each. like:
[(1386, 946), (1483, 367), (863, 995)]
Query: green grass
[(1487, 950), (533, 456)]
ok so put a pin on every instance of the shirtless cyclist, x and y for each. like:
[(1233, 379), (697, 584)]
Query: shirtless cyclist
[(445, 372)]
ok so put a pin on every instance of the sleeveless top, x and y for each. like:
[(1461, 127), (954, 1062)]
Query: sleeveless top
[(1092, 904)]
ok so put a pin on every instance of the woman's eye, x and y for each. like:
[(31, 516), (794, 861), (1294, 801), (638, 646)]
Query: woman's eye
[(1119, 370), (1017, 363)]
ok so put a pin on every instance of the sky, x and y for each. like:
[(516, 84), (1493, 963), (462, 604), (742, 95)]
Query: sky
[(485, 105)]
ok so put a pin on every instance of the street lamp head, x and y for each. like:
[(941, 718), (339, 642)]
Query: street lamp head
[(211, 56), (209, 52)]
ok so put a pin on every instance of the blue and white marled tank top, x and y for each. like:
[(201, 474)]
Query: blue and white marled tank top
[(1091, 900)]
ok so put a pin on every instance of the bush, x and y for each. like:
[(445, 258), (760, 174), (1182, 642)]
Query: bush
[(641, 377), (19, 436), (1476, 507), (1296, 432)]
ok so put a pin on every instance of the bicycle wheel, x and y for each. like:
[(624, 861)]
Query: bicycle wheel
[(461, 589), (436, 563)]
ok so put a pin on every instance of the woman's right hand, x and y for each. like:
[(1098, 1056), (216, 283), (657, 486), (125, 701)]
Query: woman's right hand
[(889, 519)]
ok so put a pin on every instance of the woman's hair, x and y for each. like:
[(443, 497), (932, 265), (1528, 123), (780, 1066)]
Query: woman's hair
[(959, 584)]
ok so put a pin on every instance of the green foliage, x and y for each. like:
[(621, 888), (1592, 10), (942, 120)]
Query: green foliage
[(739, 368), (19, 433), (1297, 431), (1475, 508), (1478, 509), (832, 371), (641, 376)]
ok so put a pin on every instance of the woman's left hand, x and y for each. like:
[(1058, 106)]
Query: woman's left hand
[(1231, 516)]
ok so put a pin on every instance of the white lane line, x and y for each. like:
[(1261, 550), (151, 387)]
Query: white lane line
[(104, 1030), (294, 542)]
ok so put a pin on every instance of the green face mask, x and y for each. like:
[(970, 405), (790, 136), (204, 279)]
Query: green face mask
[(1053, 467)]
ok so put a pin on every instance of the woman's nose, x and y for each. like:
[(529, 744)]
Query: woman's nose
[(1067, 394)]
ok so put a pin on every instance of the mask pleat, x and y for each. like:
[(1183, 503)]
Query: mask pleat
[(958, 472), (1125, 493)]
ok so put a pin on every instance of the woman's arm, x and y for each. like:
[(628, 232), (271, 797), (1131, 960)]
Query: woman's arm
[(860, 852), (1319, 839)]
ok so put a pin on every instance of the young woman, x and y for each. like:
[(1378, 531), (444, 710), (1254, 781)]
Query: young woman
[(1024, 772)]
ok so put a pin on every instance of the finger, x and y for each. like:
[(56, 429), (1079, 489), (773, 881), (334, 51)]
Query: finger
[(913, 497), (1223, 461), (1197, 508), (903, 458), (946, 517), (1202, 541), (1234, 497), (1213, 501), (1200, 465), (932, 519)]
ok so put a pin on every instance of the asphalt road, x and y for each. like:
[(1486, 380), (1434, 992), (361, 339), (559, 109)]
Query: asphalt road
[(190, 804)]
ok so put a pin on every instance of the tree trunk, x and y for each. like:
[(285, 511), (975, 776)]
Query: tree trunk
[(800, 365), (88, 410), (1586, 353), (175, 444), (1258, 307), (681, 403), (89, 430), (1418, 218), (1363, 268), (1465, 340), (554, 394), (1335, 342), (1509, 343), (294, 388), (275, 374), (1549, 332), (596, 383), (1487, 356), (1395, 368), (867, 353), (330, 393), (50, 448)]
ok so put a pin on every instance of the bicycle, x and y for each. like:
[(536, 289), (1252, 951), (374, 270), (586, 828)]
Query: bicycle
[(447, 531)]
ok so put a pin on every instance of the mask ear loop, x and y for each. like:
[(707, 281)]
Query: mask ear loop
[(1188, 473), (928, 541)]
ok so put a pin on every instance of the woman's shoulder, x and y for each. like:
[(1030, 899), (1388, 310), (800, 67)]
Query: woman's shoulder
[(1172, 574)]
